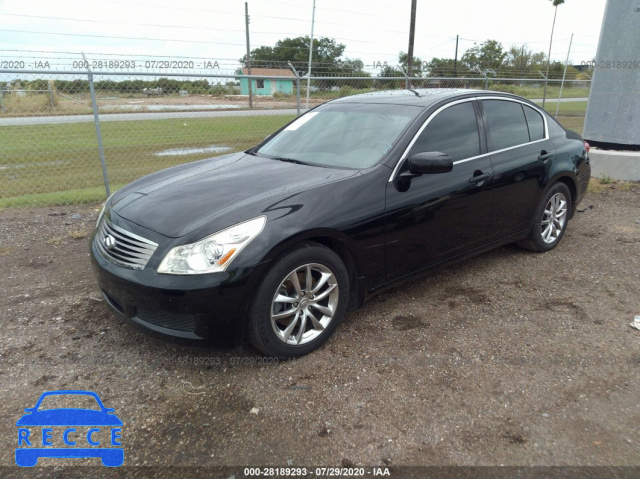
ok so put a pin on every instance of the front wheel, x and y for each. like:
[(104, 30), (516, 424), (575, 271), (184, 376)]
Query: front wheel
[(552, 217), (299, 302)]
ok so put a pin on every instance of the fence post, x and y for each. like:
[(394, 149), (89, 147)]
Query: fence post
[(298, 94), (408, 85), (297, 86), (53, 104), (4, 110), (96, 120)]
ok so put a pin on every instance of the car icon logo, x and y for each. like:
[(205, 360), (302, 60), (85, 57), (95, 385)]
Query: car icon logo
[(109, 242), (69, 432)]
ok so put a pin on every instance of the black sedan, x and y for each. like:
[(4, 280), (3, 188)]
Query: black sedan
[(273, 245)]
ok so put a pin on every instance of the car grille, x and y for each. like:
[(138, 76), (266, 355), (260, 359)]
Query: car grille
[(166, 319), (122, 247)]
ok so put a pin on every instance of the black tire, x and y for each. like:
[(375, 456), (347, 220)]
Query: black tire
[(274, 298), (547, 229)]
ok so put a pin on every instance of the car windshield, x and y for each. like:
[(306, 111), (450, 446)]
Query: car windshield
[(64, 401), (346, 135)]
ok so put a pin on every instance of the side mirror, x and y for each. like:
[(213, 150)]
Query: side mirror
[(429, 163)]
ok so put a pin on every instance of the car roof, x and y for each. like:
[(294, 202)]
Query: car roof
[(423, 97), (72, 392)]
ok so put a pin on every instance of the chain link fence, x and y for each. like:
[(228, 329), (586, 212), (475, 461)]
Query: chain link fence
[(69, 137)]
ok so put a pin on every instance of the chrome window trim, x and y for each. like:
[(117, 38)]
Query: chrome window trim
[(464, 100)]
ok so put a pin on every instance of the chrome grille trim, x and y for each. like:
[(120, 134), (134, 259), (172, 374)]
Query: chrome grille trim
[(131, 251)]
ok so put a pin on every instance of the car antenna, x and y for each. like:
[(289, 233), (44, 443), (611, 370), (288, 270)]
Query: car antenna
[(415, 92)]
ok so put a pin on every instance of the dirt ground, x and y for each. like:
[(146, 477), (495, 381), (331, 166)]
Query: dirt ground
[(241, 101), (511, 358), (40, 105)]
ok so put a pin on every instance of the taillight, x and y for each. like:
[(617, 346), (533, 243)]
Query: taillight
[(587, 146)]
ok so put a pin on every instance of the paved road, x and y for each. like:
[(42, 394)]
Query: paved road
[(53, 120)]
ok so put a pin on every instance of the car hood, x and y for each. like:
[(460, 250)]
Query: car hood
[(69, 417), (177, 201)]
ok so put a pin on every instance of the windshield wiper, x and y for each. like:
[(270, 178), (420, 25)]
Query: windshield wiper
[(288, 160)]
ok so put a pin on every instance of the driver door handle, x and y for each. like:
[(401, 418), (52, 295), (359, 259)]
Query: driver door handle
[(480, 178), (544, 156)]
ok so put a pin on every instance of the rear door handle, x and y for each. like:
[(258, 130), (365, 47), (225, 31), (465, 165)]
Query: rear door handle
[(479, 178), (544, 156)]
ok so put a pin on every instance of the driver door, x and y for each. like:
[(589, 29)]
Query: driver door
[(434, 217)]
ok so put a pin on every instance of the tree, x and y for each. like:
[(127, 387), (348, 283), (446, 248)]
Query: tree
[(325, 58), (389, 71), (556, 70), (555, 4), (416, 68), (485, 58), (353, 69), (446, 67), (521, 61)]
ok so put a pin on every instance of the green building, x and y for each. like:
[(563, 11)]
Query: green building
[(267, 86)]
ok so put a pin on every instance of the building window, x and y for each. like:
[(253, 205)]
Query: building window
[(259, 83)]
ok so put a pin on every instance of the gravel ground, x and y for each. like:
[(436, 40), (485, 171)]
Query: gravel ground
[(510, 358)]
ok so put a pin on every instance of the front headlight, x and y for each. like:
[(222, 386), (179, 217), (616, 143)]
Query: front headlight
[(104, 208), (213, 253)]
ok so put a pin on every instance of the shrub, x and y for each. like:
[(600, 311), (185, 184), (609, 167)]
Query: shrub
[(504, 88), (346, 90)]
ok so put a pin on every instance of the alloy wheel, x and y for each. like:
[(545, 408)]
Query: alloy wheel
[(304, 304), (554, 218)]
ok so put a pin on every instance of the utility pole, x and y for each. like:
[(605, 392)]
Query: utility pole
[(546, 78), (246, 18), (313, 18), (412, 34), (564, 75), (455, 61)]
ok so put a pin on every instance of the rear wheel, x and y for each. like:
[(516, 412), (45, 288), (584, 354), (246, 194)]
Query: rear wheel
[(299, 303), (552, 217)]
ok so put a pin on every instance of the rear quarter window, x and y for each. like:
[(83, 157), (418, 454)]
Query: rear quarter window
[(535, 123)]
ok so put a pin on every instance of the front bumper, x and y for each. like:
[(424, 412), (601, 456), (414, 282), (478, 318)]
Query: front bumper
[(209, 307), (111, 457)]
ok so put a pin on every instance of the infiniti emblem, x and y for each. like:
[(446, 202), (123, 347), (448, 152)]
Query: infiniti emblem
[(109, 242)]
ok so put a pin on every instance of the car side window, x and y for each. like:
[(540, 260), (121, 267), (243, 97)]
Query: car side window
[(453, 131), (535, 123), (507, 124)]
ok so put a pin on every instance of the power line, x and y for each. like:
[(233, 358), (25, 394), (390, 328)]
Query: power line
[(219, 60), (200, 10), (156, 39), (119, 37), (351, 11), (191, 27), (171, 8), (164, 26)]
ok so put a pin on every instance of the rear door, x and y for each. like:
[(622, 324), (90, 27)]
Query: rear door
[(521, 155)]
